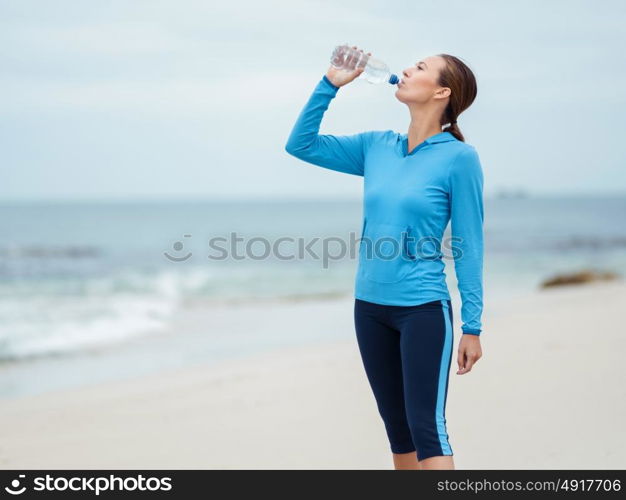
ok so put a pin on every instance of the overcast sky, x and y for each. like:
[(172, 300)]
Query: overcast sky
[(195, 99)]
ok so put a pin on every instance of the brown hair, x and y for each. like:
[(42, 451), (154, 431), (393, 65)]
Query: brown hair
[(457, 76)]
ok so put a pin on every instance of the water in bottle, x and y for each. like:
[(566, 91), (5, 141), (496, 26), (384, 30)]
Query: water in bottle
[(375, 71)]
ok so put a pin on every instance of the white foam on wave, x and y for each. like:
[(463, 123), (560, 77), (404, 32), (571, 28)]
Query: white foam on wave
[(46, 320)]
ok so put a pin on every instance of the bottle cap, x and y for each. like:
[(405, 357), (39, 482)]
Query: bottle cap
[(393, 79)]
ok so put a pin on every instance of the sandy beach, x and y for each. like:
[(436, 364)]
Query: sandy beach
[(548, 393)]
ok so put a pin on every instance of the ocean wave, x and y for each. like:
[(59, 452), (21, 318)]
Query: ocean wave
[(55, 325), (50, 252), (48, 316)]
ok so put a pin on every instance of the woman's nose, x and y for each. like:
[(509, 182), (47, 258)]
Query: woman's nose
[(405, 73)]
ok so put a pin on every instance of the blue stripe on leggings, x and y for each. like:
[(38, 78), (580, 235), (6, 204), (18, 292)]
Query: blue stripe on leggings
[(444, 369)]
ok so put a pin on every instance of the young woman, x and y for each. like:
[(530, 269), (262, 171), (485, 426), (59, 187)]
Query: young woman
[(414, 185)]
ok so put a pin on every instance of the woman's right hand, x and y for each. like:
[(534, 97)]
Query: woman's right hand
[(341, 77)]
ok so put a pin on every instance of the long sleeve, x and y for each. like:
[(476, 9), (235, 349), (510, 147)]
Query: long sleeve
[(344, 153), (467, 217)]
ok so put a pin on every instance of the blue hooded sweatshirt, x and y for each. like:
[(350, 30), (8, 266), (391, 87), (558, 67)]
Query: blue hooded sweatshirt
[(409, 198)]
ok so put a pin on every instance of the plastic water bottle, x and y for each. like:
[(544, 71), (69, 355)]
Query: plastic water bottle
[(375, 71)]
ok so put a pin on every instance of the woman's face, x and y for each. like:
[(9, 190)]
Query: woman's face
[(419, 82)]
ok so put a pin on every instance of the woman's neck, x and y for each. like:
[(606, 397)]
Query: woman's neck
[(424, 124)]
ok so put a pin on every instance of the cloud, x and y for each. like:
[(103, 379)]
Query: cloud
[(124, 72)]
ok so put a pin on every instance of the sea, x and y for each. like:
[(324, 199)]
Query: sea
[(82, 275)]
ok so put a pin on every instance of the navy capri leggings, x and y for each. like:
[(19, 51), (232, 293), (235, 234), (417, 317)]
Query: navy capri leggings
[(406, 353)]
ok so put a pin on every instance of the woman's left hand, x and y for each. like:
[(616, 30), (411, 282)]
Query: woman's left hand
[(469, 353)]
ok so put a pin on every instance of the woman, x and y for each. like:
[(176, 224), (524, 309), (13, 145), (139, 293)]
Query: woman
[(414, 184)]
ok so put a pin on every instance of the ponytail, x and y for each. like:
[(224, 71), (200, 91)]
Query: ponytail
[(454, 129), (460, 79)]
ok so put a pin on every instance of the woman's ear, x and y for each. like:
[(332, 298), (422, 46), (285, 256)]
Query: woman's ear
[(443, 92)]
